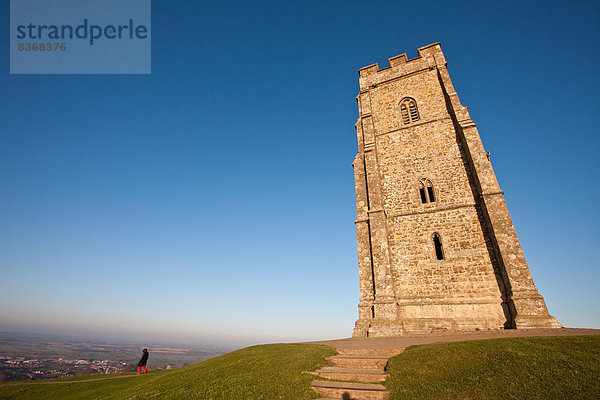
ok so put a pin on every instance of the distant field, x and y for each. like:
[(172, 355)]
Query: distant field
[(55, 346), (18, 350), (518, 368)]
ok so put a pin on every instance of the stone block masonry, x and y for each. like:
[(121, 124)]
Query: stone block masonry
[(437, 247)]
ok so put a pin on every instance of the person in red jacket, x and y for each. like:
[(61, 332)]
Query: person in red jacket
[(143, 361)]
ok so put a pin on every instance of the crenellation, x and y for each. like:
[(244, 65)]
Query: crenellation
[(368, 70), (398, 60), (429, 57), (437, 247)]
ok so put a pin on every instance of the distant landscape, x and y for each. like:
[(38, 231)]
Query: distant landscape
[(28, 356)]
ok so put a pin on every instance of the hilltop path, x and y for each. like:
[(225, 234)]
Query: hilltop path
[(402, 342)]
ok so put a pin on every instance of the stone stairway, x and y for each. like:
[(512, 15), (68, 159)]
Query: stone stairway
[(354, 374), (364, 359)]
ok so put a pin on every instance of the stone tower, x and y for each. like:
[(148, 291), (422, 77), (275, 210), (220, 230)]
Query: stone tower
[(437, 248)]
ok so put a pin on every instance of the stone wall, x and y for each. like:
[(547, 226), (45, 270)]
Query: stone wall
[(483, 281)]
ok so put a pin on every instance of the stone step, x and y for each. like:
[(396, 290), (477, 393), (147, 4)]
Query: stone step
[(352, 374), (357, 361), (371, 352), (350, 390)]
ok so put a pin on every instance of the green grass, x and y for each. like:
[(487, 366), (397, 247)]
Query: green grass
[(518, 368), (267, 372)]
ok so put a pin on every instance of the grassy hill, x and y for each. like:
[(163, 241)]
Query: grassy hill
[(266, 372), (555, 368), (517, 368)]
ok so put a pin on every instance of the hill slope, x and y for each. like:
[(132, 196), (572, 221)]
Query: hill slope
[(267, 372), (518, 368)]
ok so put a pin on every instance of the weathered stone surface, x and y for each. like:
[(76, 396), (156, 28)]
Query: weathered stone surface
[(350, 390), (358, 361), (353, 374), (483, 281)]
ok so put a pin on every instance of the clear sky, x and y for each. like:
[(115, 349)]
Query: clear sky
[(213, 200)]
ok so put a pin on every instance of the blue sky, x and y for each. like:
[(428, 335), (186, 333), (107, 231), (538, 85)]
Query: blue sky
[(213, 200)]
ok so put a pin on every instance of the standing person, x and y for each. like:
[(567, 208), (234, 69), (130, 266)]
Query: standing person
[(143, 361)]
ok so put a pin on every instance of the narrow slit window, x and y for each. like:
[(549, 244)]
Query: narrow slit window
[(423, 195), (430, 193), (409, 110), (426, 192), (439, 250)]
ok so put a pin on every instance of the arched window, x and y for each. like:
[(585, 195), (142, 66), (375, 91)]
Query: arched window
[(426, 191), (439, 248), (408, 110)]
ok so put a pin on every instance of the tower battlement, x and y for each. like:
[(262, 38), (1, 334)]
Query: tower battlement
[(429, 57)]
